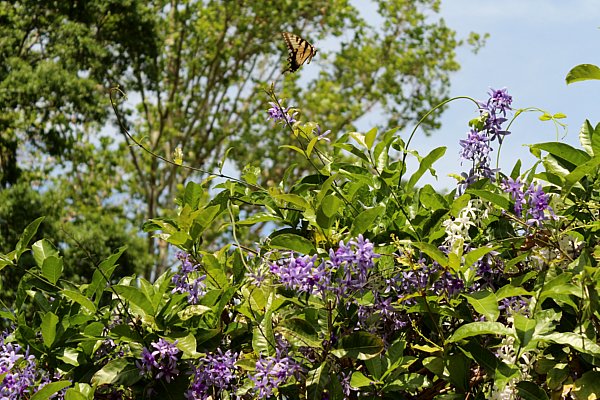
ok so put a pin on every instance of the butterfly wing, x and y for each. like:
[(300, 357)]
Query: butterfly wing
[(300, 51)]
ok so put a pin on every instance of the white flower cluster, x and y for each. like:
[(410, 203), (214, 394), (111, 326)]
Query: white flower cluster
[(457, 229)]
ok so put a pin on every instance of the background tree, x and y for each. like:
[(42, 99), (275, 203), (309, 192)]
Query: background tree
[(195, 74)]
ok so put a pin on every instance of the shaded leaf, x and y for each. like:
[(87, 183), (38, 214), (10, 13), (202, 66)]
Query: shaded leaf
[(364, 221), (359, 345), (48, 328)]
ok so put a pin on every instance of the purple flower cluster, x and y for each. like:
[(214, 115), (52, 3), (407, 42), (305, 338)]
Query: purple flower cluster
[(537, 202), (301, 274), (215, 372), (355, 260), (425, 277), (476, 147), (271, 372), (21, 378), (277, 113), (189, 280), (160, 363), (495, 110)]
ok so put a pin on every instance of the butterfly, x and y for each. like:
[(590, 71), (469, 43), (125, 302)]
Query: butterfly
[(300, 51)]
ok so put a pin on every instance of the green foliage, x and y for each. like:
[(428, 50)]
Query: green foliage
[(361, 285), (194, 72)]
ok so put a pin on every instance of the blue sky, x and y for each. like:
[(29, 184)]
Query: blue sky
[(532, 46)]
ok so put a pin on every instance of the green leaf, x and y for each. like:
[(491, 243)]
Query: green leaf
[(433, 252), (109, 373), (587, 387), (425, 164), (207, 215), (583, 72), (588, 169), (575, 341), (192, 195), (6, 260), (511, 291), (49, 389), (359, 345), (531, 391), (48, 328), (364, 221), (79, 298), (177, 238), (525, 328), (43, 249), (102, 275), (263, 339), (330, 205), (359, 380), (295, 148), (26, 237), (187, 345), (564, 151), (299, 332), (70, 356), (586, 132), (193, 311), (485, 303), (483, 356), (458, 367), (500, 201), (370, 138), (545, 117), (290, 241), (134, 296), (479, 328), (595, 138), (360, 138), (316, 380), (74, 394), (52, 268), (475, 255)]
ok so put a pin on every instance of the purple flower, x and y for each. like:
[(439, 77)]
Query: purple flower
[(277, 113), (189, 280), (515, 189), (500, 100), (497, 104), (216, 372), (536, 200), (538, 205), (355, 260), (476, 148), (322, 136), (514, 305), (160, 363), (22, 378), (270, 373), (301, 274)]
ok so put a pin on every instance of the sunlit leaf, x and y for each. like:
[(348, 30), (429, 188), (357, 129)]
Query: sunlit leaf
[(583, 72)]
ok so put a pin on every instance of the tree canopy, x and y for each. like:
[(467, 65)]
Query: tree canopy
[(195, 73)]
